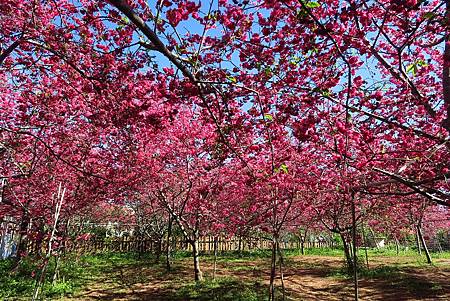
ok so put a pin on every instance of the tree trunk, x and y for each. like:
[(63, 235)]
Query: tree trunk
[(23, 231), (424, 244), (348, 257), (373, 237), (354, 250), (56, 271), (198, 275), (281, 262), (446, 67), (397, 247), (273, 266), (302, 239), (168, 244), (365, 246), (419, 249), (158, 249), (215, 257)]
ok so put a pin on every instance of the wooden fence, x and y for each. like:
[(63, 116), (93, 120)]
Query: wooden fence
[(206, 245)]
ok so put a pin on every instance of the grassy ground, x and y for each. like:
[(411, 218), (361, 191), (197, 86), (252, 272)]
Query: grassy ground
[(317, 275)]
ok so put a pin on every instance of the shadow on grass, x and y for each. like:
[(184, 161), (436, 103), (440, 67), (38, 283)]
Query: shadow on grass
[(223, 289)]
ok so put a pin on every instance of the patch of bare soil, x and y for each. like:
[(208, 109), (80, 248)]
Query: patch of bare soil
[(305, 278)]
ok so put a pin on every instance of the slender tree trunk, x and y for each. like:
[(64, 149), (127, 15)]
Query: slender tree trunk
[(56, 271), (23, 229), (397, 247), (302, 244), (215, 257), (439, 246), (446, 67), (40, 282), (281, 263), (355, 258), (365, 246), (373, 237), (348, 257), (273, 267), (168, 244), (239, 245), (424, 244), (158, 249), (198, 275), (419, 249)]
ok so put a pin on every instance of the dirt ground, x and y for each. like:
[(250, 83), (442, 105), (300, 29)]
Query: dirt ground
[(305, 277)]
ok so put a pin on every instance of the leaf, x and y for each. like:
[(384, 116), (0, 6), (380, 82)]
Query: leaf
[(412, 68), (284, 168), (232, 79), (268, 116), (312, 4), (422, 63), (125, 20)]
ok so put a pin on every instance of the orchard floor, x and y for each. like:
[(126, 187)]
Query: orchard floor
[(307, 277)]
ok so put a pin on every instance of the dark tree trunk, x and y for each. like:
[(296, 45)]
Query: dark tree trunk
[(273, 266), (23, 231), (169, 244), (354, 250), (446, 67), (281, 262), (302, 246), (373, 237), (158, 249), (347, 254), (215, 257), (240, 245)]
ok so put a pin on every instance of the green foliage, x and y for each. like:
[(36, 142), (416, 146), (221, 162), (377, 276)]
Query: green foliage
[(232, 79), (384, 271), (268, 116), (414, 67), (15, 282), (61, 288), (312, 4)]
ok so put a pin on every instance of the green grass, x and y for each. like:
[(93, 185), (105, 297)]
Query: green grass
[(74, 273), (17, 283), (322, 251), (391, 252), (223, 289), (123, 269), (20, 281)]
